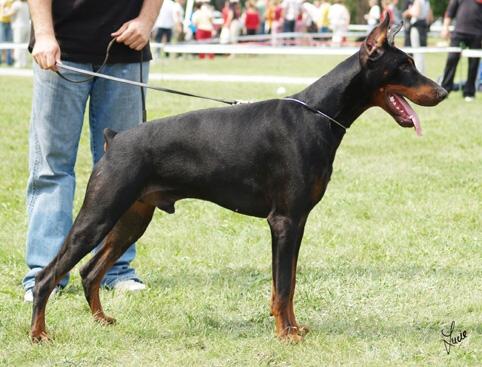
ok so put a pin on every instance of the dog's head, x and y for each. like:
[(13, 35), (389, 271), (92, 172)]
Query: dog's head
[(393, 77)]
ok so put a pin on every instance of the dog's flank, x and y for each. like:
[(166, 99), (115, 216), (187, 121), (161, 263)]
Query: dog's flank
[(272, 159)]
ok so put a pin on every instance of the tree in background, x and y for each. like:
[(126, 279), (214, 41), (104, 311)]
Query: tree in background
[(439, 7), (357, 9)]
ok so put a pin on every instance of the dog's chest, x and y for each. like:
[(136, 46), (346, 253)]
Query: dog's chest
[(318, 185)]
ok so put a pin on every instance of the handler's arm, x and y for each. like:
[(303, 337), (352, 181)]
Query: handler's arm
[(450, 14), (135, 33), (46, 51), (445, 28)]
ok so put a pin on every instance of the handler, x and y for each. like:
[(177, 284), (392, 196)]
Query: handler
[(78, 32), (468, 33)]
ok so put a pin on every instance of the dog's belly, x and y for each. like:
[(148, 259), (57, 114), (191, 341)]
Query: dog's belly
[(237, 199), (241, 202)]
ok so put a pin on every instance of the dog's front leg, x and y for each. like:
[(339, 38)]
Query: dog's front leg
[(286, 235)]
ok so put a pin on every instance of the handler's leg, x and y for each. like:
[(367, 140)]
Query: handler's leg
[(56, 122), (119, 107), (451, 65), (474, 42)]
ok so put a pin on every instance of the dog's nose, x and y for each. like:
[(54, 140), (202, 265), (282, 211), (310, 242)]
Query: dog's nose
[(442, 93)]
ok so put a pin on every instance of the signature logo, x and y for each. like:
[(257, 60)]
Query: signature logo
[(450, 340)]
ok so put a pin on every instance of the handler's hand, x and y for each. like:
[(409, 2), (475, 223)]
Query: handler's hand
[(134, 33), (445, 33), (46, 52)]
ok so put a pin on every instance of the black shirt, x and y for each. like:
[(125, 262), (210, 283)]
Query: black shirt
[(467, 15), (83, 28)]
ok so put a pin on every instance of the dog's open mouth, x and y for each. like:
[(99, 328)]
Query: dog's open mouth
[(403, 113)]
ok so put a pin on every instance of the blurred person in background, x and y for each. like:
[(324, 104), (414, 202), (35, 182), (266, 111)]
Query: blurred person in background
[(310, 13), (231, 22), (387, 9), (202, 19), (274, 20), (6, 30), (397, 14), (274, 13), (373, 16), (236, 25), (339, 22), (406, 23), (467, 33), (262, 5), (291, 11), (165, 23), (179, 20), (251, 19), (324, 19), (21, 31), (420, 14), (189, 27), (225, 14)]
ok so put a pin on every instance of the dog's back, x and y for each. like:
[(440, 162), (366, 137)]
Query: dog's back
[(225, 154)]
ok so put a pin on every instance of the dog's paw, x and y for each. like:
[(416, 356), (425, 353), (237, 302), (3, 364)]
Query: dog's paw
[(303, 330), (291, 338), (104, 320), (39, 337), (293, 334)]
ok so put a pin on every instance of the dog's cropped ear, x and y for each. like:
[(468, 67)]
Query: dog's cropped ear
[(373, 47), (108, 136)]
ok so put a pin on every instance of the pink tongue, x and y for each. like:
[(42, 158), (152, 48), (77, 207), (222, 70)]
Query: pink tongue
[(411, 113), (416, 124)]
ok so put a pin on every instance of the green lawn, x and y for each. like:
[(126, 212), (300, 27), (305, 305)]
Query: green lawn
[(390, 256)]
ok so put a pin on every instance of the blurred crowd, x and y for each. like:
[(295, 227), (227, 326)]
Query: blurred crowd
[(14, 27), (261, 17), (254, 18), (332, 18), (201, 20)]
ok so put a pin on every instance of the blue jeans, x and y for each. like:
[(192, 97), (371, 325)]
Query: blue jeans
[(289, 25), (58, 108), (6, 36)]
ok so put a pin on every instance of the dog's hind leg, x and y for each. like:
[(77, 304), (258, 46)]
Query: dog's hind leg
[(286, 233), (75, 247), (130, 227), (104, 204)]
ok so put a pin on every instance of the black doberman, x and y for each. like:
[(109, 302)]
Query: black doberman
[(272, 159)]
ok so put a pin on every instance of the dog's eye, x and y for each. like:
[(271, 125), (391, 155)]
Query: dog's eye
[(406, 66)]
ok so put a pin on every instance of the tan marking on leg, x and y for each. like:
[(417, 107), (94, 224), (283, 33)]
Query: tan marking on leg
[(128, 229)]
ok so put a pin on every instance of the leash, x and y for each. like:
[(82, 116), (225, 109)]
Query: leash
[(143, 93), (94, 74), (314, 110), (98, 74), (106, 58)]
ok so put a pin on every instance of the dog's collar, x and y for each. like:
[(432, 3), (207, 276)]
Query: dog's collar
[(314, 110)]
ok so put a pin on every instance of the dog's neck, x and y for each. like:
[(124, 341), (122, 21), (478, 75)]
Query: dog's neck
[(341, 93)]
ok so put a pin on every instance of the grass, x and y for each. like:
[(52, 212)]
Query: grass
[(390, 256)]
